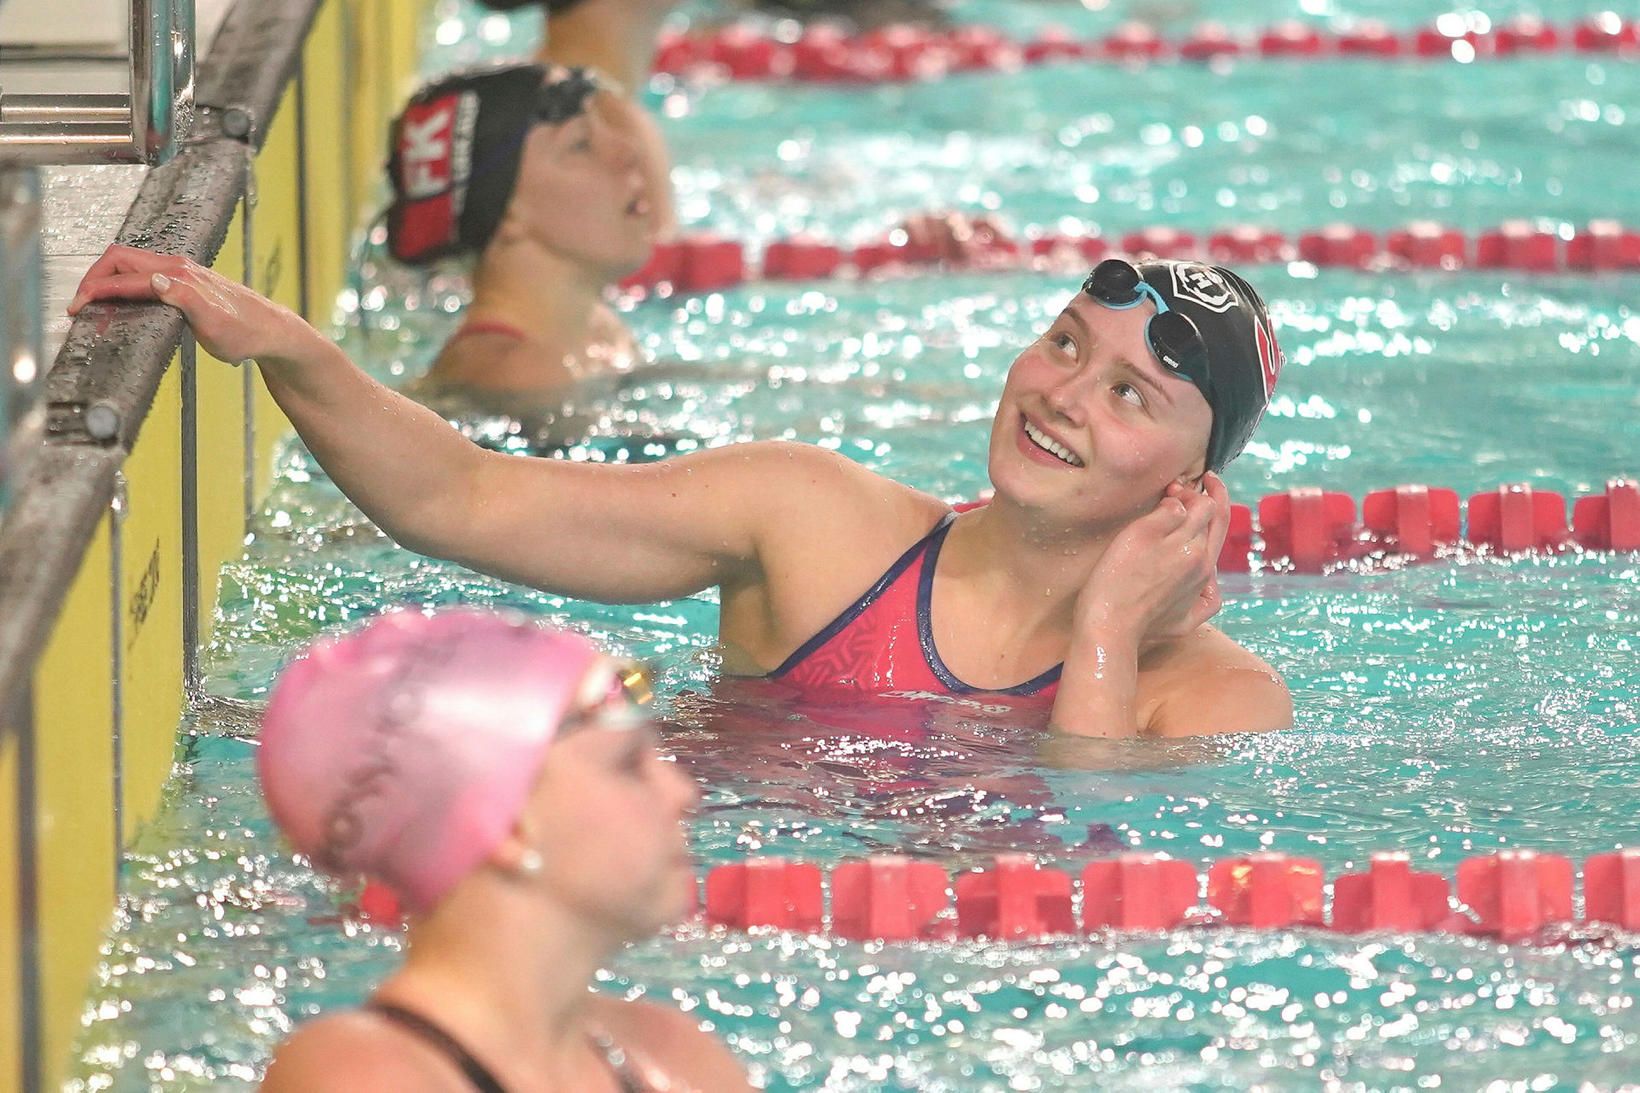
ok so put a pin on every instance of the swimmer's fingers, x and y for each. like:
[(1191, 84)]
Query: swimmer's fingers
[(1170, 512), (1196, 527), (125, 273), (114, 286), (122, 259), (1207, 603), (1214, 502), (1219, 526)]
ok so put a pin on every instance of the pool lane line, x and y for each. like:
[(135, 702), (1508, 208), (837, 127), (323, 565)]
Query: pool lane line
[(705, 261), (1509, 896), (899, 53)]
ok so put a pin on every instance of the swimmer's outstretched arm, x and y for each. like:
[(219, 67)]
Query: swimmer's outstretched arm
[(615, 534), (1155, 587)]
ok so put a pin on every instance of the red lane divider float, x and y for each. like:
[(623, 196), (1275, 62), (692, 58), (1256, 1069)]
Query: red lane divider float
[(1517, 893), (1015, 898), (1611, 889), (706, 262), (1513, 895), (1267, 891), (1309, 530), (1391, 895), (888, 897), (764, 892), (825, 53)]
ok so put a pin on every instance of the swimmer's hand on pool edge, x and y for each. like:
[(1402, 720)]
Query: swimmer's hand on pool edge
[(641, 532), (1153, 590), (231, 322)]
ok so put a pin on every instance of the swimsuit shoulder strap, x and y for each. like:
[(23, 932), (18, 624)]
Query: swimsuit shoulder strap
[(409, 1020), (854, 610)]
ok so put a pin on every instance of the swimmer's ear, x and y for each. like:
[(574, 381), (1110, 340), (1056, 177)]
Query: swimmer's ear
[(517, 854)]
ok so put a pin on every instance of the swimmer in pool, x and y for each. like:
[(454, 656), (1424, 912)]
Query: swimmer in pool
[(1085, 583), (501, 780), (617, 38), (523, 168)]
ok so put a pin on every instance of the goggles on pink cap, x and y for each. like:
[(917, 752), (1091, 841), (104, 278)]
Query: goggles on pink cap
[(404, 751)]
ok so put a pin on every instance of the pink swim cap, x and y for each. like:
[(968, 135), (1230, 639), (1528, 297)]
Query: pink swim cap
[(404, 751)]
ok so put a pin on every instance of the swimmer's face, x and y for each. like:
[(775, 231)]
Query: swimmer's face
[(581, 193), (607, 816), (1091, 386)]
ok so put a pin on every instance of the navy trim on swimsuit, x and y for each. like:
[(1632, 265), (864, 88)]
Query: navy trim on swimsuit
[(925, 632), (854, 610)]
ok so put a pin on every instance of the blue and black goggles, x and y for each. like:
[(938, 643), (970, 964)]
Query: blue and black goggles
[(566, 97), (1171, 335)]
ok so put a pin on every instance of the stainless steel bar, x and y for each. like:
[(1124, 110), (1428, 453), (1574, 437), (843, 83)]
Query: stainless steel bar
[(143, 122), (21, 364)]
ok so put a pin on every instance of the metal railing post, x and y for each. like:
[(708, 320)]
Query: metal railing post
[(21, 366)]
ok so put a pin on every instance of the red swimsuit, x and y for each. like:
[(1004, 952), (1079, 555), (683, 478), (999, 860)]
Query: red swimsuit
[(884, 642)]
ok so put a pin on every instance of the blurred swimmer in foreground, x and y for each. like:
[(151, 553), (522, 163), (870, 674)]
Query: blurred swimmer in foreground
[(618, 39), (521, 168), (1085, 583), (501, 779)]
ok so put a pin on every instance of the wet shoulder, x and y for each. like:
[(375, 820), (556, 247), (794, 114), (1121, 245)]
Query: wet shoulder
[(358, 1050), (1210, 683), (670, 1048), (821, 489)]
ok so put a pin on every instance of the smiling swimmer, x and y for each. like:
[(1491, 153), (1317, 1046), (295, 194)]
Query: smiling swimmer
[(1087, 580)]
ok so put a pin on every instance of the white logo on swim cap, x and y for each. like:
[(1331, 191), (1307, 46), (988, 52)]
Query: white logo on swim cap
[(1203, 285)]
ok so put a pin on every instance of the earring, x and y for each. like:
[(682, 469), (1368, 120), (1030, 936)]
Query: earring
[(530, 863)]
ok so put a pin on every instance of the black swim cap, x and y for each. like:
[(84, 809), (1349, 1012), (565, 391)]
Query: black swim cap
[(456, 151), (1243, 357)]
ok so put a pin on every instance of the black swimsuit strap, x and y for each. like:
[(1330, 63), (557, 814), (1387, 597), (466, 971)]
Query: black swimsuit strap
[(413, 1022), (479, 1074)]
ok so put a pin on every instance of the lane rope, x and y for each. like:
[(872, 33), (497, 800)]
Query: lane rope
[(824, 53), (705, 261), (1510, 896)]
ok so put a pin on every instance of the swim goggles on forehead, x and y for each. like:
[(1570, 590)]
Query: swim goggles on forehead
[(566, 97), (1172, 337)]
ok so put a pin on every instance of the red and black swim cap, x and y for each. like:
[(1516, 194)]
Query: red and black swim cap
[(456, 151), (1244, 360)]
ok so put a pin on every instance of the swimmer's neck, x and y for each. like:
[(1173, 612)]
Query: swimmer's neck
[(506, 976), (554, 304), (616, 36), (1032, 572)]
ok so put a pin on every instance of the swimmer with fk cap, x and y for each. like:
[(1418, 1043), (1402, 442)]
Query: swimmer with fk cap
[(617, 38), (501, 780), (521, 169), (1085, 584)]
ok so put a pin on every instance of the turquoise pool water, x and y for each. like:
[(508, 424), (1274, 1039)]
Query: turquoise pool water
[(1446, 710)]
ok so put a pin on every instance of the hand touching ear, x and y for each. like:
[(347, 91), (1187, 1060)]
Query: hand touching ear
[(1159, 578)]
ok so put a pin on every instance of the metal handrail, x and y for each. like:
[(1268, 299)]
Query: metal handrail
[(141, 124), (21, 366)]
